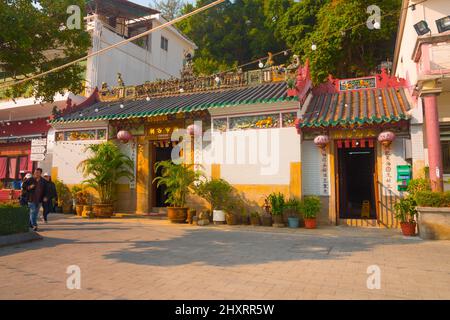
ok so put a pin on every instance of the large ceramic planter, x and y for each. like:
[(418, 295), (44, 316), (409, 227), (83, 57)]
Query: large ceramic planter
[(219, 217), (433, 223), (177, 215), (231, 219), (79, 209), (310, 223), (255, 221), (277, 221), (293, 222), (266, 220), (103, 210), (408, 228)]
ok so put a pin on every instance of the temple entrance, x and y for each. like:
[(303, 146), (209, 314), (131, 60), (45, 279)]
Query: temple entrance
[(161, 154), (356, 169)]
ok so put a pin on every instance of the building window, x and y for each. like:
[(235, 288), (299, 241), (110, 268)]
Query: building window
[(12, 170), (446, 156), (164, 43)]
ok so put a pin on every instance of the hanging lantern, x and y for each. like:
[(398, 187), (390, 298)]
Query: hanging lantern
[(124, 136), (194, 130), (321, 141), (386, 138)]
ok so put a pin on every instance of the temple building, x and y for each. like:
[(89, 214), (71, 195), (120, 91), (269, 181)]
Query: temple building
[(347, 141)]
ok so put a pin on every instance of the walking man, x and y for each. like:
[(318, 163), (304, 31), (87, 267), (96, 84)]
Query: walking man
[(37, 188), (51, 197)]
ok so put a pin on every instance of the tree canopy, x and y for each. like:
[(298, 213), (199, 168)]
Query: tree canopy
[(240, 31), (34, 38)]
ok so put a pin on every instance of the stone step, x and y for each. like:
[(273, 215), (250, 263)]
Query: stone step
[(160, 210)]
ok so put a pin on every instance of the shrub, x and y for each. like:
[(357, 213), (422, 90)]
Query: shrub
[(311, 206), (292, 207), (405, 209), (418, 185), (217, 192), (63, 191), (433, 199), (13, 219), (277, 202)]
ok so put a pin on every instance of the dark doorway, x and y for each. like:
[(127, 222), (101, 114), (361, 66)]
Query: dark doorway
[(161, 154), (356, 183)]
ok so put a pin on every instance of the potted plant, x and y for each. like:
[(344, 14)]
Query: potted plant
[(102, 169), (310, 207), (292, 210), (291, 89), (277, 203), (217, 192), (191, 214), (405, 210), (63, 204), (179, 180), (254, 219), (244, 217)]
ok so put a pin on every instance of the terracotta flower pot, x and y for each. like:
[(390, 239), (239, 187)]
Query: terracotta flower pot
[(103, 210), (310, 223), (177, 215), (408, 228), (79, 209), (267, 220)]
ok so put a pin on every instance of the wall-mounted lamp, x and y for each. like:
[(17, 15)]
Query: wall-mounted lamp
[(422, 28), (443, 24)]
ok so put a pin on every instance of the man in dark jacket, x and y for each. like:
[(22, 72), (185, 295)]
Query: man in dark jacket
[(37, 188), (51, 197)]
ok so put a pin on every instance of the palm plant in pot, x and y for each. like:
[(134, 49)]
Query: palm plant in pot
[(217, 192), (310, 207), (405, 210), (277, 203), (179, 180), (102, 169), (292, 210)]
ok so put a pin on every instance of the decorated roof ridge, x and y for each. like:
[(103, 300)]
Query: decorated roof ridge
[(172, 104), (356, 107)]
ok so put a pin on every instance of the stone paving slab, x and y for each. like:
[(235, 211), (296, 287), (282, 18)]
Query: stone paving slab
[(151, 259)]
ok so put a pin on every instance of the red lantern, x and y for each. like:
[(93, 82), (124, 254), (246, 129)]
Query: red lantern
[(124, 136), (194, 130), (386, 138), (322, 141)]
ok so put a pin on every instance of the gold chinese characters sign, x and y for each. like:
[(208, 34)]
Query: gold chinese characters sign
[(161, 132), (354, 134)]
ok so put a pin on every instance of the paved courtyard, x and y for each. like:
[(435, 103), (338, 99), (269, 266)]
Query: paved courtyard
[(147, 259)]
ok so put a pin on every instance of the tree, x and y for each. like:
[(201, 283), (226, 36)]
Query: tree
[(34, 38), (230, 34), (346, 47), (170, 9)]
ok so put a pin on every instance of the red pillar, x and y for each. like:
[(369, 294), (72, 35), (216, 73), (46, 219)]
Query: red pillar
[(434, 142)]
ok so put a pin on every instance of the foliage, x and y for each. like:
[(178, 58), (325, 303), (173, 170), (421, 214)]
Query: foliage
[(104, 167), (179, 181), (63, 191), (310, 207), (32, 41), (276, 201), (254, 214), (234, 32), (433, 199), (293, 207), (13, 219), (170, 9), (418, 185), (217, 192), (405, 209)]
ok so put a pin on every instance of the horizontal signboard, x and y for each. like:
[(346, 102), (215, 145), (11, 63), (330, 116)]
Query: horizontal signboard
[(37, 157), (37, 150), (38, 142)]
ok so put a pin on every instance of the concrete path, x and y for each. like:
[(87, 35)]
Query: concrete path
[(146, 259)]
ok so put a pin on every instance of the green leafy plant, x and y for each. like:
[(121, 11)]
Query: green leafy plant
[(179, 181), (277, 202), (290, 83), (292, 207), (63, 191), (255, 214), (217, 192), (405, 209), (104, 167), (418, 185), (310, 207), (432, 199), (13, 219)]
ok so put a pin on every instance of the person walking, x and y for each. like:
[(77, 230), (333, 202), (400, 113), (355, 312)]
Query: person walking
[(24, 195), (52, 196), (37, 188)]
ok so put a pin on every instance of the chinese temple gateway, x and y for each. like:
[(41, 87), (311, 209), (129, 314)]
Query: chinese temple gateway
[(347, 141)]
